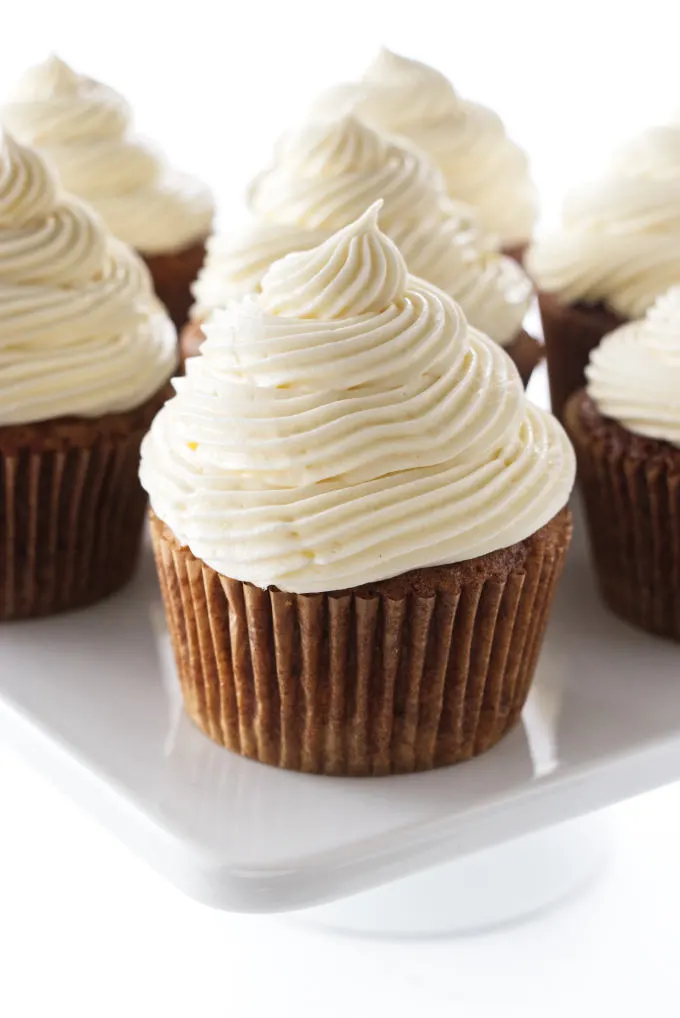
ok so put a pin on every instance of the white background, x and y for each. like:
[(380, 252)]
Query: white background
[(85, 930), (214, 81)]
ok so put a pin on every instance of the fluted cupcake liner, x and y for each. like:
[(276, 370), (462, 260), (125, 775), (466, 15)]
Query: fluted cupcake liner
[(423, 671), (173, 275), (71, 510), (631, 491), (571, 332)]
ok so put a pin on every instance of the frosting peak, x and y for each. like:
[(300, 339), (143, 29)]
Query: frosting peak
[(52, 77), (84, 127), (634, 374), (355, 272), (80, 333), (346, 425), (466, 141), (417, 90), (327, 173)]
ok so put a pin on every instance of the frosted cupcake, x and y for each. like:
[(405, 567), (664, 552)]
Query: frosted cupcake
[(324, 176), (84, 127), (468, 142), (359, 519), (85, 357), (626, 428), (617, 250)]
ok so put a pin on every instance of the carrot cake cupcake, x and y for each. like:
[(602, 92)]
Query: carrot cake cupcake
[(84, 128), (359, 519)]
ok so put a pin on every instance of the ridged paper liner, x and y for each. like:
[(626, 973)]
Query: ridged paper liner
[(570, 333), (355, 683), (631, 492), (173, 275), (71, 510)]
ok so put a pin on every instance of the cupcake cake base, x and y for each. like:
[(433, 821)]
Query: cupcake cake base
[(571, 332), (631, 489), (173, 275), (517, 252), (427, 669), (525, 352), (190, 340), (72, 510)]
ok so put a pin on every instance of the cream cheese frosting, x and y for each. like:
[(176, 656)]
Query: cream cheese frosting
[(467, 141), (81, 333), (237, 260), (634, 374), (324, 175), (619, 242), (84, 127), (345, 425)]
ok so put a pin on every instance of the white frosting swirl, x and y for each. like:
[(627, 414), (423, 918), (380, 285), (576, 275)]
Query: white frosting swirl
[(236, 261), (327, 173), (634, 374), (80, 331), (619, 243), (467, 141), (84, 128), (346, 425)]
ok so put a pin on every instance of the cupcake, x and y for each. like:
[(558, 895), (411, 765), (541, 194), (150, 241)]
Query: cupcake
[(85, 356), (467, 141), (617, 250), (358, 519), (84, 127), (322, 178), (626, 429)]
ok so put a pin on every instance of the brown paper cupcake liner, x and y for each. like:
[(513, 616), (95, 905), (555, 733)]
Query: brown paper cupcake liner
[(571, 332), (173, 275), (71, 510), (630, 487), (525, 352), (422, 671)]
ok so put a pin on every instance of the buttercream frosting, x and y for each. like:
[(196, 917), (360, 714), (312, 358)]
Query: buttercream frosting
[(237, 259), (84, 127), (81, 333), (634, 374), (619, 241), (345, 425), (467, 141), (327, 172)]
